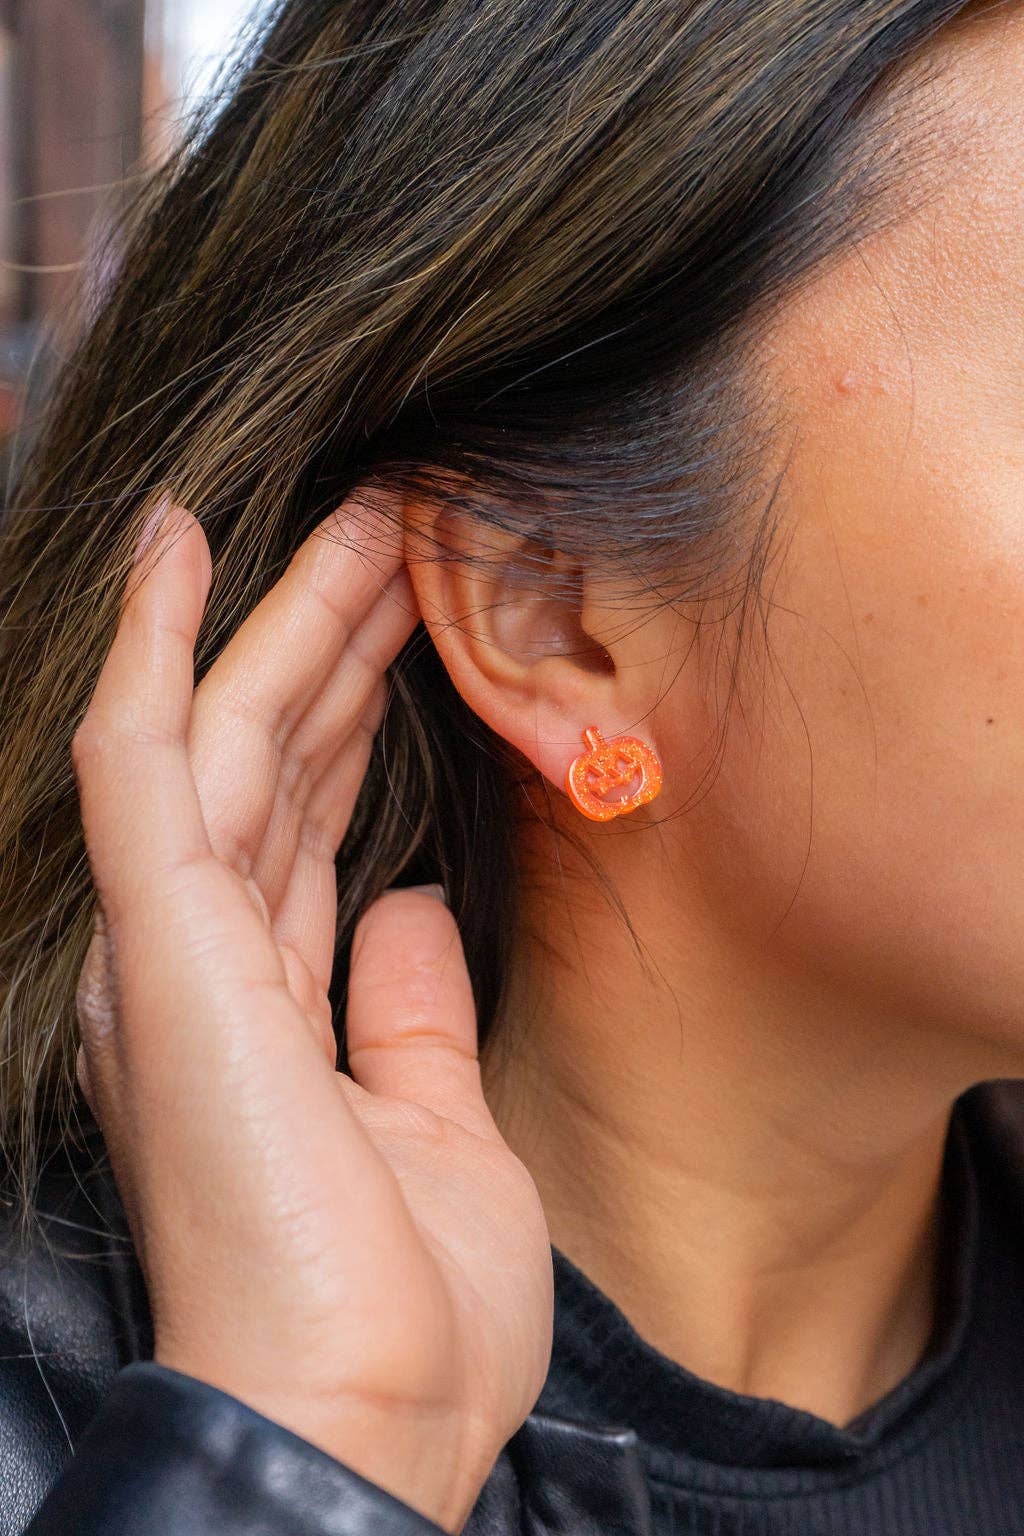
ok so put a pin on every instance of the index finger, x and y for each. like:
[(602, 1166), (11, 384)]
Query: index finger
[(140, 805), (275, 663), (205, 1013), (140, 809)]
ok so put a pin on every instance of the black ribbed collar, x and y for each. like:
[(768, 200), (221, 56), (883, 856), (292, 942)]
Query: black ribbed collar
[(602, 1371)]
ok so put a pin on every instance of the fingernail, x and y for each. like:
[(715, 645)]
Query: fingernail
[(152, 526), (437, 891)]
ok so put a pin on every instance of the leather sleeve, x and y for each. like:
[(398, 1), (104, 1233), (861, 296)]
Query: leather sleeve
[(167, 1454)]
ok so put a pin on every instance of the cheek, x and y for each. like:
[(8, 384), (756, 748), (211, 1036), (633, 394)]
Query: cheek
[(868, 821), (867, 825)]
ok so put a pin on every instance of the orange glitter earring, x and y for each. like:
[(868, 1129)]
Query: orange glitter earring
[(610, 765)]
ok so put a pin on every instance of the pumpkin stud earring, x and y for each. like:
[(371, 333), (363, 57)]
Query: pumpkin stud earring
[(624, 763)]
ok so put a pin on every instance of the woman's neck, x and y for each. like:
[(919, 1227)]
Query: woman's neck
[(748, 1170)]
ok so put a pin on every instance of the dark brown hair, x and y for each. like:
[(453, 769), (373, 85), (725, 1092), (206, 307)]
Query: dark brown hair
[(511, 253)]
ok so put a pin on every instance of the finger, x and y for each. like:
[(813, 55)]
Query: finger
[(204, 1011), (129, 753), (343, 702), (303, 986), (144, 828), (411, 1023), (306, 919), (321, 737), (273, 668), (333, 798), (296, 866), (313, 1001)]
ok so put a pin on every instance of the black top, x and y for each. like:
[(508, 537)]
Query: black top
[(96, 1439), (941, 1453)]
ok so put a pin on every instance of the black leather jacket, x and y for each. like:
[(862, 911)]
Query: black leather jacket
[(98, 1440)]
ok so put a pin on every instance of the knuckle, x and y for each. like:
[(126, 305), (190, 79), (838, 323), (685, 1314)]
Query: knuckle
[(95, 1000), (245, 710), (85, 741), (130, 731), (297, 776), (419, 1122), (316, 838), (400, 1119), (318, 589), (179, 882), (101, 738), (230, 847)]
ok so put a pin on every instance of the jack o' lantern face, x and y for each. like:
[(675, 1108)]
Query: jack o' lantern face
[(613, 777)]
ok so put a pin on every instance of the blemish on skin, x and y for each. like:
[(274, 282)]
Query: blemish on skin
[(847, 383), (990, 721), (869, 618), (922, 600)]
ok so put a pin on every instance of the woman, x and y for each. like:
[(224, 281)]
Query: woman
[(575, 455)]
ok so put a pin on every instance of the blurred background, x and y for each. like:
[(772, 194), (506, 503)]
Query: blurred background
[(87, 87)]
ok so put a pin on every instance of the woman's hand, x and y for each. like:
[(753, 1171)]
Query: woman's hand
[(364, 1261)]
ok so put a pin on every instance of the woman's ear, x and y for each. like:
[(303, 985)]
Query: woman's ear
[(520, 633)]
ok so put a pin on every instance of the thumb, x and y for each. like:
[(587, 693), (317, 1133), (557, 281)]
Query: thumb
[(411, 1024)]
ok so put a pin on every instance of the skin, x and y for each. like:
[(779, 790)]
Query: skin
[(736, 1133), (374, 1311), (740, 1140)]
